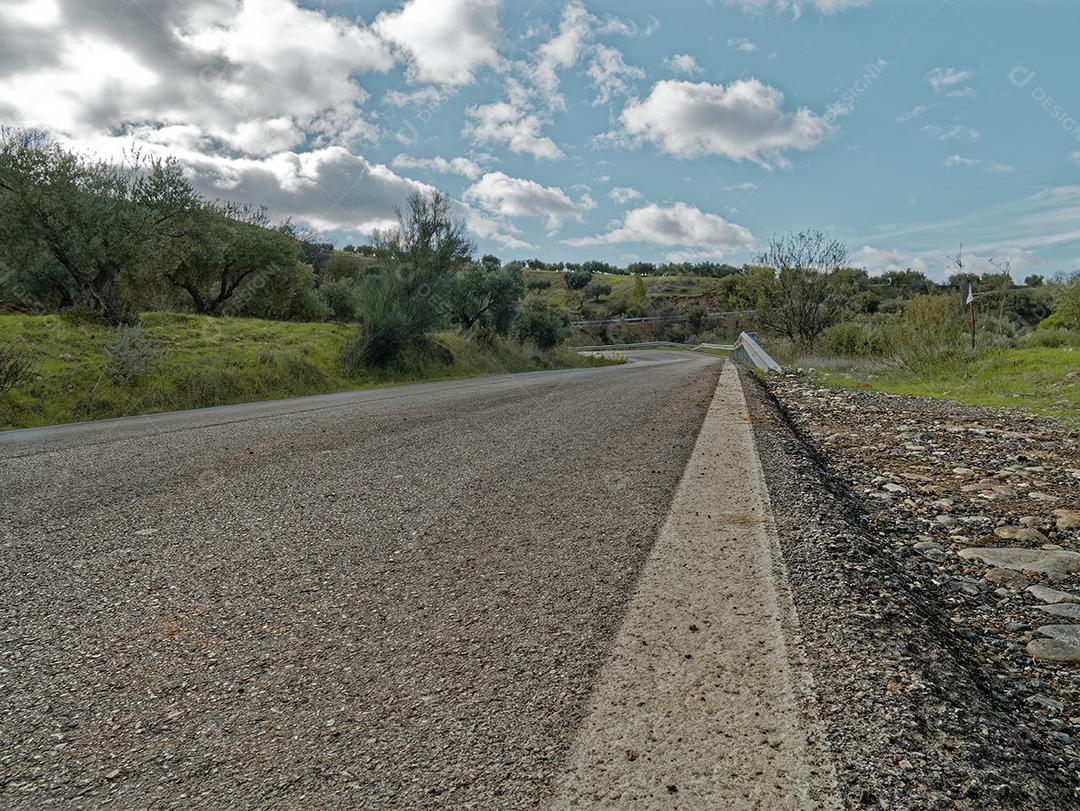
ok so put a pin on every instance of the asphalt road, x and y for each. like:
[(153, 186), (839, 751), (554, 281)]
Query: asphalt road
[(393, 598)]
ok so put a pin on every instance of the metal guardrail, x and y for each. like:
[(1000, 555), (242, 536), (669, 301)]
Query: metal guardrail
[(746, 350)]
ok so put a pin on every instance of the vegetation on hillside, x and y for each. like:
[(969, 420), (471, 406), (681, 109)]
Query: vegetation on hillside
[(82, 369), (116, 246)]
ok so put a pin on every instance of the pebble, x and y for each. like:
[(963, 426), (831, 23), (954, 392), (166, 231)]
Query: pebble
[(1010, 533), (1070, 611), (1007, 577), (1052, 595), (1025, 560)]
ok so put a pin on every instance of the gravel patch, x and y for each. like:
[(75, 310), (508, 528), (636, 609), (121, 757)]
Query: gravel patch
[(401, 601), (929, 695)]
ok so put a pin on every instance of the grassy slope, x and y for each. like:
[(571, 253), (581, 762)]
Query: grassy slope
[(217, 361), (1040, 380)]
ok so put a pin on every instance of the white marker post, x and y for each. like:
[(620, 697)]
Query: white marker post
[(971, 307)]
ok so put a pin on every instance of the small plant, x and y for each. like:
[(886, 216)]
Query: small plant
[(16, 367), (131, 354)]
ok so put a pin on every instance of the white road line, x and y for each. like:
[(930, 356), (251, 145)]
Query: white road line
[(696, 706)]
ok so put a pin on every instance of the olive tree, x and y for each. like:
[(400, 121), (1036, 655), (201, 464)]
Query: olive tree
[(100, 222)]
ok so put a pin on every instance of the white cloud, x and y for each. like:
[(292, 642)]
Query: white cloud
[(1075, 157), (487, 227), (456, 166), (743, 120), (444, 41), (678, 225), (518, 130), (254, 77), (563, 50), (610, 75), (826, 7), (424, 97), (624, 194), (947, 81), (505, 196), (951, 133), (960, 160), (915, 112), (742, 44), (878, 260), (684, 64)]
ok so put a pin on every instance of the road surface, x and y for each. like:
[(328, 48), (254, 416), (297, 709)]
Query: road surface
[(401, 597)]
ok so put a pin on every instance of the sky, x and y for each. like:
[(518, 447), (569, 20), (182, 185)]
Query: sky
[(592, 129)]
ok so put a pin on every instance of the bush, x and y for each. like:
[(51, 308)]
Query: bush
[(16, 367), (339, 297), (852, 339), (1050, 338), (539, 284), (542, 324), (131, 354)]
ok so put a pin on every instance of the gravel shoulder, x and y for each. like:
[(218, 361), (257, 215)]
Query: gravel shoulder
[(927, 690), (399, 600)]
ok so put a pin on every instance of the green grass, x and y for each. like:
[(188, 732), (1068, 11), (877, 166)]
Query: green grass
[(1040, 380), (217, 361)]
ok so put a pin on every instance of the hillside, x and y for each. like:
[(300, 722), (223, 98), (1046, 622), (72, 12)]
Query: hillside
[(199, 361)]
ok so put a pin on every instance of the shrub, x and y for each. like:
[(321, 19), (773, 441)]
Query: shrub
[(852, 339), (131, 354), (16, 367), (1051, 338), (339, 297), (539, 284), (542, 324)]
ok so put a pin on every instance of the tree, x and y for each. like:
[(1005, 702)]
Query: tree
[(407, 295), (542, 323), (809, 288), (1034, 280), (487, 295), (595, 290), (1068, 309), (578, 279), (226, 249), (101, 223)]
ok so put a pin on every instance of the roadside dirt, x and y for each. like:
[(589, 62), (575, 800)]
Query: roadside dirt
[(928, 692)]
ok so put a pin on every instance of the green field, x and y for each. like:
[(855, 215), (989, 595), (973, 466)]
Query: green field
[(1040, 380), (203, 361)]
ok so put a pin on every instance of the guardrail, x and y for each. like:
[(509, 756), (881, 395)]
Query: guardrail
[(746, 350)]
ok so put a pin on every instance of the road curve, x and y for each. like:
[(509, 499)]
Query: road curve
[(392, 598)]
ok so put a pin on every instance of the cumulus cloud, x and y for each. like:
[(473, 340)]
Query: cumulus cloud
[(444, 41), (465, 167), (624, 194), (505, 196), (683, 63), (678, 225), (743, 120), (741, 44), (256, 77), (507, 124)]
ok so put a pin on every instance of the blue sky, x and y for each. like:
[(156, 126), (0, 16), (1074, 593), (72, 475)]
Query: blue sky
[(593, 129)]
